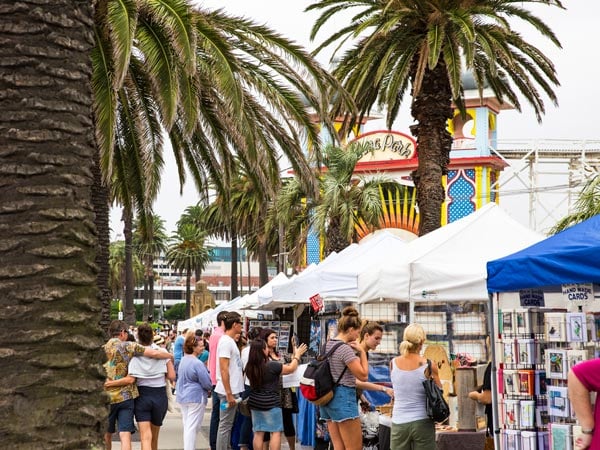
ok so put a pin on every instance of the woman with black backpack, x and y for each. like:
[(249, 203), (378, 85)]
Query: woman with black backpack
[(348, 363)]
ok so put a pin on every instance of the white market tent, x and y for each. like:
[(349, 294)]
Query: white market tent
[(299, 289), (265, 294), (340, 280), (449, 263), (244, 305), (199, 321)]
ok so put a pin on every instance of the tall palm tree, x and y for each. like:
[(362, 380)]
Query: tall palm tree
[(150, 240), (219, 85), (144, 52), (48, 297), (188, 252), (427, 45), (586, 206), (346, 203)]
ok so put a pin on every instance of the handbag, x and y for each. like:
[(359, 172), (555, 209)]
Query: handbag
[(244, 407), (436, 406)]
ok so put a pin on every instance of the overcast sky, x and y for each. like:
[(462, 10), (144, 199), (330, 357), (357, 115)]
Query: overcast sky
[(577, 65)]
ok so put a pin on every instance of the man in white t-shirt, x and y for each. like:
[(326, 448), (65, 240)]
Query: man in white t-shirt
[(230, 378)]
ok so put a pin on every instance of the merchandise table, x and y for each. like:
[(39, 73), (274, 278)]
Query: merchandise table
[(444, 440)]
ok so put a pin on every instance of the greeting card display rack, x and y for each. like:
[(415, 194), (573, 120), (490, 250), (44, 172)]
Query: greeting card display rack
[(538, 347)]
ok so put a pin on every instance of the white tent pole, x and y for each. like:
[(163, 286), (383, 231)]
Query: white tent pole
[(494, 380)]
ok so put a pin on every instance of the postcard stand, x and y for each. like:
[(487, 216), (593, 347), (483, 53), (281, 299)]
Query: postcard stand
[(538, 348)]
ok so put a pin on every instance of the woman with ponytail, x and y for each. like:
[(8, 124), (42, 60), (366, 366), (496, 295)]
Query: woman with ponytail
[(412, 429), (348, 363)]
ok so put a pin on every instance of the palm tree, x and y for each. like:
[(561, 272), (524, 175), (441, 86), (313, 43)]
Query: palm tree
[(345, 205), (187, 252), (586, 206), (142, 51), (150, 240), (428, 44), (219, 85), (48, 295)]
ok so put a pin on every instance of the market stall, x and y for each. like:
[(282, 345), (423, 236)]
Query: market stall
[(437, 280), (539, 344), (441, 278)]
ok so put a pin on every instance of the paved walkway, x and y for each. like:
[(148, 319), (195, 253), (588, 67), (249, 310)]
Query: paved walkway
[(171, 434)]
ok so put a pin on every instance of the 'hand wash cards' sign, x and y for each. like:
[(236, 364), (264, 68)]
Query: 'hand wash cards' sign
[(578, 292)]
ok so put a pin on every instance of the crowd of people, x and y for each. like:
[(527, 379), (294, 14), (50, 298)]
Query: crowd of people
[(227, 366)]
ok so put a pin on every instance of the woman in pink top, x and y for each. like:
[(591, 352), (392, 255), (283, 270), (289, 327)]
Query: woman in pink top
[(412, 429), (584, 378)]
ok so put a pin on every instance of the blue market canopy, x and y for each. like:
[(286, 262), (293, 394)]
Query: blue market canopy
[(571, 256)]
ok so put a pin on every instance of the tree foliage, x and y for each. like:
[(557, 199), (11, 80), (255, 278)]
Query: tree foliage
[(422, 48)]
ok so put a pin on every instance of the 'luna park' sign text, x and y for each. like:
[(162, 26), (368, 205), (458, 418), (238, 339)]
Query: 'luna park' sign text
[(385, 145)]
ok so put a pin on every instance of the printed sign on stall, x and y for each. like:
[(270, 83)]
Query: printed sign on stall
[(578, 292), (316, 302), (532, 297)]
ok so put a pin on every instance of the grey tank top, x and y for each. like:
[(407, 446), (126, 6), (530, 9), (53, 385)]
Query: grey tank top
[(409, 394)]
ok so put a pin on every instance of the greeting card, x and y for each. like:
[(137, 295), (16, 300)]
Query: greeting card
[(528, 440), (527, 414), (526, 384), (556, 327), (511, 439), (526, 351), (576, 327), (512, 413), (540, 382), (558, 401), (556, 364), (575, 357), (560, 436)]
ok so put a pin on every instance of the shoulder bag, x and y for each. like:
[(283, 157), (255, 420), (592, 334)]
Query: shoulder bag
[(436, 406)]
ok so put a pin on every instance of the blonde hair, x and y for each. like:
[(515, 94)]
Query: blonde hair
[(350, 319), (413, 339)]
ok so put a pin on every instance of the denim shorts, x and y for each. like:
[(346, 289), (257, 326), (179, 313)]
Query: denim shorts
[(121, 413), (269, 420), (343, 405)]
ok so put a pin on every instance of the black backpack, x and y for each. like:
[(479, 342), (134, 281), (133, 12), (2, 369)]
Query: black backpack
[(316, 385)]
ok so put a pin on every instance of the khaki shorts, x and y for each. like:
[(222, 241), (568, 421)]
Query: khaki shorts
[(417, 435)]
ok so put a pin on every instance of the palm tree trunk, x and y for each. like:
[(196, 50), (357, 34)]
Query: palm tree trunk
[(129, 277), (249, 275), (335, 240), (150, 316), (432, 108), (100, 196), (188, 294), (145, 296), (234, 270), (263, 272), (51, 383)]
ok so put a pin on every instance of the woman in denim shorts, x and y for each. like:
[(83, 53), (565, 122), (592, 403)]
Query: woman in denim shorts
[(348, 363)]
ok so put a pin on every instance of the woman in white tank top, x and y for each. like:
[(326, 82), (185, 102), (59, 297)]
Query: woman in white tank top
[(412, 429)]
